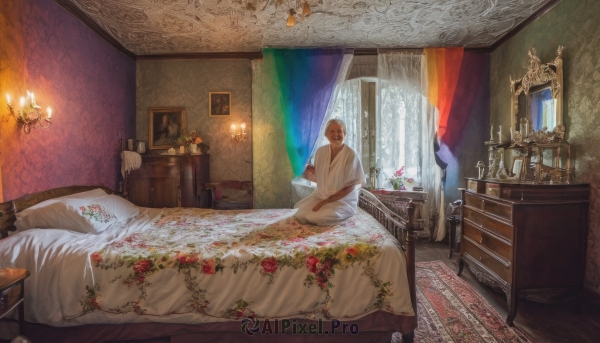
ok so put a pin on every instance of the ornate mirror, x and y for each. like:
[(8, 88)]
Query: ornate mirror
[(536, 101)]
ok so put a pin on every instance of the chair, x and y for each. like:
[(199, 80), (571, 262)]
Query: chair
[(241, 200)]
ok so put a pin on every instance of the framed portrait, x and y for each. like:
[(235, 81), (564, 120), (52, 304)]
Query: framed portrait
[(517, 167), (219, 103), (165, 125)]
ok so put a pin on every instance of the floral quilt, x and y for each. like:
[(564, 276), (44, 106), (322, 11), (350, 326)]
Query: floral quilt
[(201, 265)]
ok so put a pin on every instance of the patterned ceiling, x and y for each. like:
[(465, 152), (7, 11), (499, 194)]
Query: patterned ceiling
[(188, 26)]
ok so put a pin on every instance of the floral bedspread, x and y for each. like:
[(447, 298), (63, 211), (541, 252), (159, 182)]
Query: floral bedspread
[(199, 265)]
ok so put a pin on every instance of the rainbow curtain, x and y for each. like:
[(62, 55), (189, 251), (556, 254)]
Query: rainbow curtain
[(307, 78), (458, 85)]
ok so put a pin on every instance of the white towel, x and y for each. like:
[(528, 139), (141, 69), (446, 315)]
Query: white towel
[(130, 160)]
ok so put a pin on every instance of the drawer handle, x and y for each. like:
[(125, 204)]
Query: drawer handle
[(483, 205), (479, 258), (480, 240), (3, 301)]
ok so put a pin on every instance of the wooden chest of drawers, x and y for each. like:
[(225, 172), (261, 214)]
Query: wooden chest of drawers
[(525, 238), (170, 181)]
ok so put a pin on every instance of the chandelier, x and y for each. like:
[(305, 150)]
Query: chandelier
[(291, 20), (28, 113)]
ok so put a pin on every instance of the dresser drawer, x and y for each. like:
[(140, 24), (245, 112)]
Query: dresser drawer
[(487, 240), (492, 189), (496, 264), (489, 206), (479, 219), (10, 297), (476, 186)]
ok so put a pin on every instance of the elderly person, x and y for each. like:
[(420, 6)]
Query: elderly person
[(338, 173)]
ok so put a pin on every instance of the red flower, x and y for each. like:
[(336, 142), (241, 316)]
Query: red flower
[(142, 266), (186, 259), (350, 252), (94, 303), (269, 265), (96, 257), (140, 279), (208, 266), (311, 263), (82, 208)]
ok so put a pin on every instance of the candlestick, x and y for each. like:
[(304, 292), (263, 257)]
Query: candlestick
[(492, 133), (500, 133), (243, 128), (512, 135), (568, 157), (49, 110)]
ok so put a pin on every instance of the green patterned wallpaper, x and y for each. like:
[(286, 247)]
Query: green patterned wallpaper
[(574, 24), (272, 170)]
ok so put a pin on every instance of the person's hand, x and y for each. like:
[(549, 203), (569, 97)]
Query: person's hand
[(310, 173), (319, 205)]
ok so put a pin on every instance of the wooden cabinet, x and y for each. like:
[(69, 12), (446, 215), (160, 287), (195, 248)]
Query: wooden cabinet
[(12, 284), (170, 181), (527, 239)]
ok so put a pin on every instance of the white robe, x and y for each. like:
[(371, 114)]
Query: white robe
[(345, 170)]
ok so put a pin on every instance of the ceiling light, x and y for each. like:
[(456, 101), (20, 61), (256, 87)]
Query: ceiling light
[(291, 21), (305, 10)]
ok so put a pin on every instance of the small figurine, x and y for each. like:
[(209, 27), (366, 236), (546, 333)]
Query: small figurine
[(481, 167)]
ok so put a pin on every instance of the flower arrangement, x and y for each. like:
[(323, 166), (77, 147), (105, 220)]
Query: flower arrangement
[(398, 179), (192, 138)]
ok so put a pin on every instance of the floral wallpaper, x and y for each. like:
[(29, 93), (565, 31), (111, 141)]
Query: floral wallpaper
[(186, 83), (575, 25), (89, 85), (272, 168)]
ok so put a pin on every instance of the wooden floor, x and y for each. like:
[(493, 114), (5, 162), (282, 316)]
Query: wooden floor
[(542, 322)]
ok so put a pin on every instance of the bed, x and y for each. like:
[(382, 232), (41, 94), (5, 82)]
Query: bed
[(205, 275)]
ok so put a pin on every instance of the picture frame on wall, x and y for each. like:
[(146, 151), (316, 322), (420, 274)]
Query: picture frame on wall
[(219, 104), (165, 125)]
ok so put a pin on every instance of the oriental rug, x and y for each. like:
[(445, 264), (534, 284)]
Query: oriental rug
[(450, 310)]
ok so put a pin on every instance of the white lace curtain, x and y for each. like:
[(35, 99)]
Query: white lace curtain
[(347, 107), (406, 127)]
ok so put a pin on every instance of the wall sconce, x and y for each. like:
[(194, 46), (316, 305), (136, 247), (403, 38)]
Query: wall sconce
[(28, 113), (238, 136)]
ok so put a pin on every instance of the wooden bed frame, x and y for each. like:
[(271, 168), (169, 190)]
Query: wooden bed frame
[(402, 228)]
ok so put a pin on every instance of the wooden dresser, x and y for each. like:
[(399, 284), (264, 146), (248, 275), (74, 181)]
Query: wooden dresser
[(170, 181), (527, 239)]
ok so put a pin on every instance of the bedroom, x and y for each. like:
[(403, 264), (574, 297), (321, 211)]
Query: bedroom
[(99, 95)]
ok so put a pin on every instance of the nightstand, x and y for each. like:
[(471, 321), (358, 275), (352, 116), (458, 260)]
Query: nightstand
[(12, 291)]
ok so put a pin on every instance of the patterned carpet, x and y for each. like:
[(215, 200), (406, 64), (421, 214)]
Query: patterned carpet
[(450, 310)]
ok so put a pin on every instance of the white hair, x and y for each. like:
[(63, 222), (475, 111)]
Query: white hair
[(335, 121)]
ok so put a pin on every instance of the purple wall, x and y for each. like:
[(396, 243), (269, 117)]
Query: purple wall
[(89, 85)]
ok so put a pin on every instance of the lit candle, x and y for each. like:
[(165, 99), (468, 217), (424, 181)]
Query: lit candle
[(49, 110), (22, 101), (232, 130), (32, 100), (512, 136), (8, 98), (243, 128)]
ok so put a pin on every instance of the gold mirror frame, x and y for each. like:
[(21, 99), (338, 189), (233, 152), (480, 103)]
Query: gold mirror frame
[(540, 74)]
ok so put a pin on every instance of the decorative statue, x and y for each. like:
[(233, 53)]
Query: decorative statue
[(481, 167)]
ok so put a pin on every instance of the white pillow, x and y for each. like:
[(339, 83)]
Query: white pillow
[(121, 208), (80, 215), (93, 194)]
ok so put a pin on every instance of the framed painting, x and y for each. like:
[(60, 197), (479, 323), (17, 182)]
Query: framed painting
[(165, 125), (219, 103)]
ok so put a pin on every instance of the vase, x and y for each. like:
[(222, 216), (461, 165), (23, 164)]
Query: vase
[(397, 185)]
